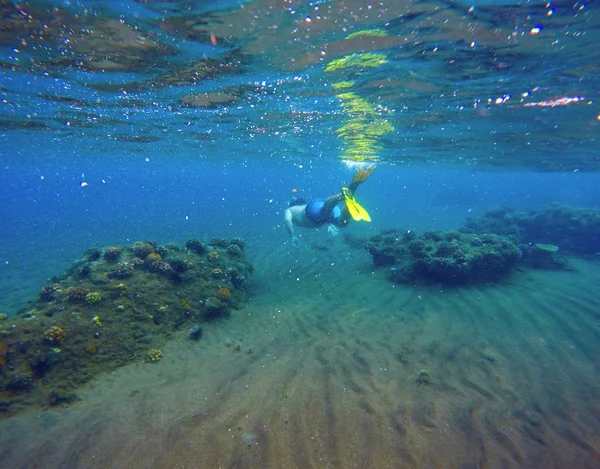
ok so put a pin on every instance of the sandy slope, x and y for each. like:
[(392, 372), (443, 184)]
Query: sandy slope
[(332, 379)]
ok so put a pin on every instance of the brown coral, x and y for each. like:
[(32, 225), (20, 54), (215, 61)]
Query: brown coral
[(49, 292), (214, 256), (224, 294), (55, 335), (153, 256), (3, 353), (77, 294)]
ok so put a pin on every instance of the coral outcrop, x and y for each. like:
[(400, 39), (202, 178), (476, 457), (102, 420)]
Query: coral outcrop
[(448, 258), (106, 310), (112, 253), (574, 230)]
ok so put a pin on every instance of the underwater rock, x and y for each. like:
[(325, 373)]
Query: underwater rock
[(179, 265), (446, 258), (238, 280), (142, 250), (62, 396), (215, 308), (56, 335), (20, 383), (195, 333), (122, 270), (423, 377), (77, 294), (81, 327), (50, 292), (234, 249), (196, 246), (92, 254), (544, 256), (112, 253), (219, 242), (575, 230), (42, 364), (163, 268), (224, 294)]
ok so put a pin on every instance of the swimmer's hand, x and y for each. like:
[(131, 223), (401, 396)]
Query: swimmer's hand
[(333, 230), (295, 242)]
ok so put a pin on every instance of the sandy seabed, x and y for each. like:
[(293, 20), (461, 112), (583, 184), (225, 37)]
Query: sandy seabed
[(332, 380)]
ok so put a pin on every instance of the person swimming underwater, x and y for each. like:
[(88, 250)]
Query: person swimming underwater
[(335, 211)]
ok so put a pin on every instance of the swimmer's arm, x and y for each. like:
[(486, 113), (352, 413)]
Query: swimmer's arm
[(289, 224), (331, 202)]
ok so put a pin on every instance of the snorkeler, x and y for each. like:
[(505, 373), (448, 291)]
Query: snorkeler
[(335, 211)]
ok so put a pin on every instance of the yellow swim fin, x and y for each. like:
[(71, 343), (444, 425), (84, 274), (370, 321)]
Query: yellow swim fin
[(356, 211)]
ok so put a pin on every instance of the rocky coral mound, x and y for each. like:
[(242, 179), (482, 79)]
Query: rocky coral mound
[(448, 258), (574, 230), (107, 310)]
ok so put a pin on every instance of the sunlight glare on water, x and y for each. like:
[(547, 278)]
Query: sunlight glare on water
[(464, 83)]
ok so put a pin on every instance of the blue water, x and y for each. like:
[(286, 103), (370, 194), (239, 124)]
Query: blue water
[(49, 218), (123, 121)]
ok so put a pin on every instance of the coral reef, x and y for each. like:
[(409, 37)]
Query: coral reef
[(234, 249), (92, 254), (142, 250), (122, 270), (490, 246), (93, 297), (220, 242), (544, 256), (215, 308), (574, 230), (50, 292), (451, 258), (153, 257), (179, 265), (214, 256), (112, 253), (154, 355), (77, 294), (224, 294), (162, 268), (56, 335), (195, 245), (83, 325)]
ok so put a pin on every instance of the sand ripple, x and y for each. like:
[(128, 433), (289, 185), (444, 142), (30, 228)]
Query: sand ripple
[(332, 380)]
